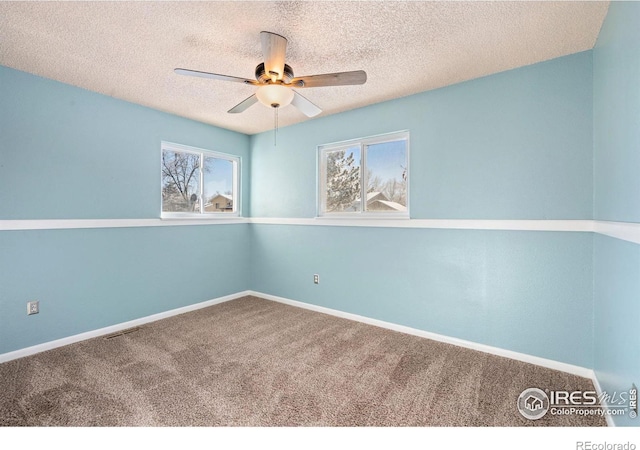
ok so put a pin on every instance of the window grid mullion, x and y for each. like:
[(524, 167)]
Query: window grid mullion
[(201, 187), (363, 175), (323, 183), (233, 187)]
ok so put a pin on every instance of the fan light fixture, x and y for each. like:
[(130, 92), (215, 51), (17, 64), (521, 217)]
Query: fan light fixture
[(275, 79), (274, 95)]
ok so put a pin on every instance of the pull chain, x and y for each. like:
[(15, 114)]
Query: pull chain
[(275, 132)]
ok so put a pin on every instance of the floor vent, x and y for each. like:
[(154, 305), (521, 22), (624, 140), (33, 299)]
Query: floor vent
[(122, 333)]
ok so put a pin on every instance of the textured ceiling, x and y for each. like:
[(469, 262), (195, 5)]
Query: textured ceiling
[(128, 50)]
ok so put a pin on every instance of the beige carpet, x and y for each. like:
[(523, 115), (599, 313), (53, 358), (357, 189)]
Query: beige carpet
[(252, 362)]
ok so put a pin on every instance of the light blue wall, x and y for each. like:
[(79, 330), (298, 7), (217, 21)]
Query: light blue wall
[(66, 153), (516, 145), (528, 292), (616, 117), (87, 279), (616, 316)]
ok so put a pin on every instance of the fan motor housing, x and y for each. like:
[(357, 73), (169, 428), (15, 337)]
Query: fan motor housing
[(264, 77)]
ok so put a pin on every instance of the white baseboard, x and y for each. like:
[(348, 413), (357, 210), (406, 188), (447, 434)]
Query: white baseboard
[(538, 361), (115, 328), (596, 384)]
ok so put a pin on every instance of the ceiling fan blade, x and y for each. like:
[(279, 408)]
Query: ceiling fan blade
[(214, 76), (304, 105), (244, 104), (274, 48), (331, 79)]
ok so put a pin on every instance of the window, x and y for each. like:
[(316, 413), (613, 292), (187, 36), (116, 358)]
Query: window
[(198, 182), (375, 169)]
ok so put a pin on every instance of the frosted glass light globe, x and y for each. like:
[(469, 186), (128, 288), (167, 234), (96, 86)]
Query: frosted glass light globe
[(274, 95)]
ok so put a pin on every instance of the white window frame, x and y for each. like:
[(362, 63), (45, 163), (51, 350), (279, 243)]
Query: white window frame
[(321, 183), (235, 160)]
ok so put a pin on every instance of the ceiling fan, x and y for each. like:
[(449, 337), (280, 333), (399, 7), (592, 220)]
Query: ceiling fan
[(275, 79)]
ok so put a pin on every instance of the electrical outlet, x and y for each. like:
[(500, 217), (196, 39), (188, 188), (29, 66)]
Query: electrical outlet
[(316, 279), (33, 307)]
